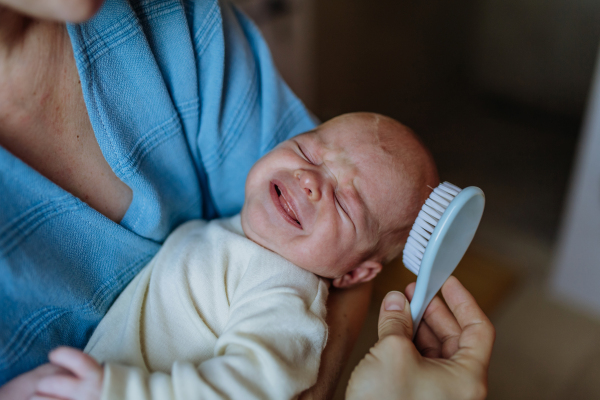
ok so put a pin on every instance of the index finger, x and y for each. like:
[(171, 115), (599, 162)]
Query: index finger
[(443, 324), (478, 333)]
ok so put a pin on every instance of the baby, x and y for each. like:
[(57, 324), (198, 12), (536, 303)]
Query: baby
[(215, 315)]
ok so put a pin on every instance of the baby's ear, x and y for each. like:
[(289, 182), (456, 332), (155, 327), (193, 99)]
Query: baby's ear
[(366, 271)]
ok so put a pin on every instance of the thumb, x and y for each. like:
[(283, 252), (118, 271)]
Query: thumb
[(394, 316)]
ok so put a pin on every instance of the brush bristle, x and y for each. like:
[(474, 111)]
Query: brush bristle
[(430, 214)]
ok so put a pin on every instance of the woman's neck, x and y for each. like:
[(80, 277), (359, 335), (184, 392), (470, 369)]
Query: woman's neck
[(43, 118), (32, 65)]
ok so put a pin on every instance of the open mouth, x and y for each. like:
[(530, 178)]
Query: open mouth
[(284, 206)]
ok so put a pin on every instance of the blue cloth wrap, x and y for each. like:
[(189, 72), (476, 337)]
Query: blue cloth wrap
[(183, 98)]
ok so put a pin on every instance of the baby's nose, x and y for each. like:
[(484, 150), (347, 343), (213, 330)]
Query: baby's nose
[(310, 183)]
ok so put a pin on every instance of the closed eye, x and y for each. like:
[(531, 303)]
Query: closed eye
[(341, 206), (344, 210), (304, 155)]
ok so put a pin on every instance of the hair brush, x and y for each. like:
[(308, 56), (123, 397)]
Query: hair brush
[(438, 240)]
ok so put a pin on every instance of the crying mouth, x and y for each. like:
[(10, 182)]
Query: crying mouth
[(285, 208)]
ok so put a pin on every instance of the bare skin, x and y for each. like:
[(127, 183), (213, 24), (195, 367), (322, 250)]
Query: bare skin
[(56, 10), (43, 118)]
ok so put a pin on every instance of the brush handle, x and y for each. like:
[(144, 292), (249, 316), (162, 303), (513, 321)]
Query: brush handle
[(448, 243)]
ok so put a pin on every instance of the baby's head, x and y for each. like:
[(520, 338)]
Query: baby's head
[(340, 200)]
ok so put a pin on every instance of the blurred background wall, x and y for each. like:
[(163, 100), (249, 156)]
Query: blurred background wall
[(497, 90), (538, 53)]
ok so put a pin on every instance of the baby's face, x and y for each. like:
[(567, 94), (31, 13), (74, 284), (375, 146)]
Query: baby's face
[(322, 198)]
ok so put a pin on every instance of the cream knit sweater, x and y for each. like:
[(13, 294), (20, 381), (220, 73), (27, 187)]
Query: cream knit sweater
[(212, 316)]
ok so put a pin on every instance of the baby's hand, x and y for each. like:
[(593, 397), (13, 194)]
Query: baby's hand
[(84, 384)]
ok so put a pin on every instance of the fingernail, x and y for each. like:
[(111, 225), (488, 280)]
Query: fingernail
[(394, 301)]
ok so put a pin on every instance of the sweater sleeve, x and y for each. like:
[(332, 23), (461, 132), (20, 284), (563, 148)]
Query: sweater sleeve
[(270, 348)]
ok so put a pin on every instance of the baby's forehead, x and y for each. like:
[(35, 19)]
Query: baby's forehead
[(350, 141), (359, 151)]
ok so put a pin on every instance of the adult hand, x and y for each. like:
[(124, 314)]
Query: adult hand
[(449, 359), (58, 10)]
